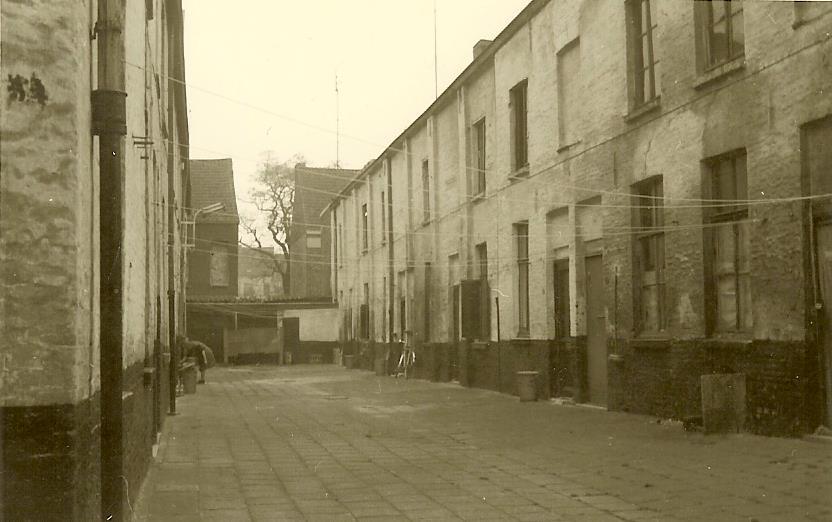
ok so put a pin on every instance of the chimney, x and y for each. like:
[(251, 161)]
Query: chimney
[(481, 46)]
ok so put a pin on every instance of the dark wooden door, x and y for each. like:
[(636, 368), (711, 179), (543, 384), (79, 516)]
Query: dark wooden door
[(291, 337), (596, 331), (824, 261)]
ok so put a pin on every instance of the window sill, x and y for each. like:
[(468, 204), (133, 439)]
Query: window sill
[(522, 172), (716, 73), (568, 146), (643, 109)]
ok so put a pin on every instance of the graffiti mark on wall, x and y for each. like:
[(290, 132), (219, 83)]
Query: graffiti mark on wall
[(26, 90)]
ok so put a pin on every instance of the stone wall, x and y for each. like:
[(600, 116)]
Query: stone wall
[(50, 387)]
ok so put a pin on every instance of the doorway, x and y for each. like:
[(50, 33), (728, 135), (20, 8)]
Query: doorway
[(291, 338), (823, 255), (596, 332)]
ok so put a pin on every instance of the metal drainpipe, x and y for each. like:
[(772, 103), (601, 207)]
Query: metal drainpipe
[(109, 107)]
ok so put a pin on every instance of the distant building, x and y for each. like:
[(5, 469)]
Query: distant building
[(258, 277), (309, 247), (212, 263)]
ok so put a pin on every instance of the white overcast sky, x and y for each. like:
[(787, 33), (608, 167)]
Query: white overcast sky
[(280, 57)]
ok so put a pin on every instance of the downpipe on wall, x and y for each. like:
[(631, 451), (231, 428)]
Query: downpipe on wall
[(109, 108)]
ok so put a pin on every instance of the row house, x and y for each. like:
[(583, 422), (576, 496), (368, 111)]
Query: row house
[(93, 183), (624, 196)]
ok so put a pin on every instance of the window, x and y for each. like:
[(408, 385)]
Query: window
[(383, 220), (521, 233), (728, 237), (478, 142), (313, 238), (641, 18), (561, 301), (519, 125), (722, 31), (569, 92), (649, 256), (481, 251), (364, 232), (219, 270), (425, 191)]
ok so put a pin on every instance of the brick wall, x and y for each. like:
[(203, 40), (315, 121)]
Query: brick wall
[(757, 104)]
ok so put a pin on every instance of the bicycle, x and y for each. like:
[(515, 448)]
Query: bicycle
[(407, 359)]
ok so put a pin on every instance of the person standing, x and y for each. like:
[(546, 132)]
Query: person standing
[(203, 355)]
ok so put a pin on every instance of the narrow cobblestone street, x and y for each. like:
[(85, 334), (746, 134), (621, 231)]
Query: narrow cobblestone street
[(325, 443)]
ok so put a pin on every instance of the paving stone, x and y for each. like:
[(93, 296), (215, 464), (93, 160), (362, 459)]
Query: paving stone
[(263, 445)]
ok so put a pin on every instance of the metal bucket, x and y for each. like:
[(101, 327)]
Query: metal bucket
[(527, 385)]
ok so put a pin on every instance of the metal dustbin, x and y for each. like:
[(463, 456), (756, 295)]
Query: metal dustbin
[(188, 374), (527, 385), (348, 361)]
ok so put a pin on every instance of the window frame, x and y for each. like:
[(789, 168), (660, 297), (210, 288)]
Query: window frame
[(478, 160), (566, 137), (426, 211), (519, 137), (648, 223), (734, 214), (315, 232), (636, 35), (383, 218), (706, 20), (365, 234)]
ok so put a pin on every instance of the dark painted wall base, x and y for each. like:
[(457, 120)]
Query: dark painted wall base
[(51, 462), (663, 379), (660, 378), (51, 467)]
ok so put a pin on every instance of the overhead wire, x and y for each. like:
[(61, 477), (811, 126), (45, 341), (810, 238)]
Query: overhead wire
[(365, 259), (581, 152)]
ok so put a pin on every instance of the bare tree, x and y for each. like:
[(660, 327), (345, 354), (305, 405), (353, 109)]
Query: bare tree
[(274, 199)]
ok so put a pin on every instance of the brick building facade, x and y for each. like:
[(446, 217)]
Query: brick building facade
[(212, 263), (310, 241), (621, 195), (91, 192)]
